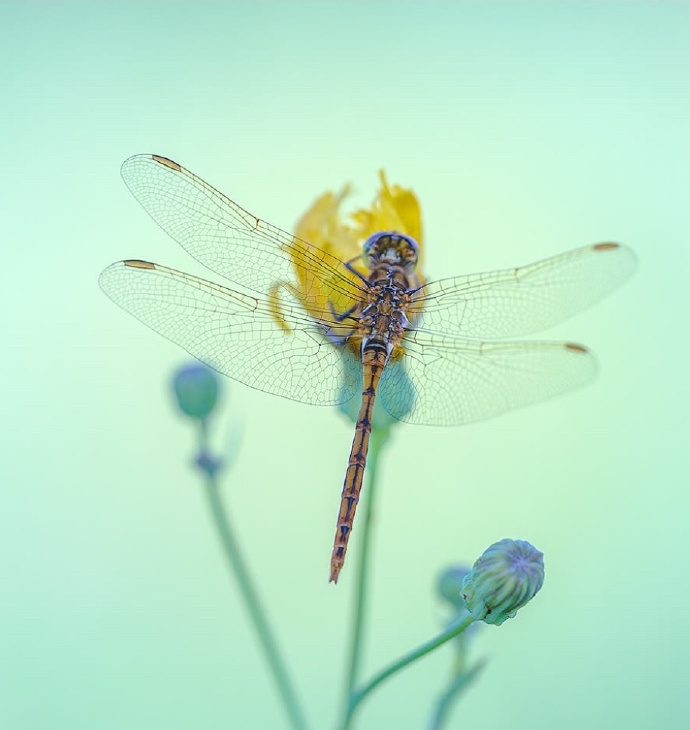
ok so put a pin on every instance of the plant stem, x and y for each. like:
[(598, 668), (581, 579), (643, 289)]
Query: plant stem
[(452, 692), (378, 438), (455, 628), (258, 616)]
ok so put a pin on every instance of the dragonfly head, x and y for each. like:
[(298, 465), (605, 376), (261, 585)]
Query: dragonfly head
[(390, 247)]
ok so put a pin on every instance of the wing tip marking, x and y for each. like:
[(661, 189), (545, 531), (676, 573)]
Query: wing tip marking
[(575, 347), (137, 264), (606, 246), (167, 162)]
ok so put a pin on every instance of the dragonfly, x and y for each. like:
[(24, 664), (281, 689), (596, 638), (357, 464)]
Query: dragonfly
[(309, 326)]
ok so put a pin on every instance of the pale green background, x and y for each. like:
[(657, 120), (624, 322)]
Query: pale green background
[(525, 129)]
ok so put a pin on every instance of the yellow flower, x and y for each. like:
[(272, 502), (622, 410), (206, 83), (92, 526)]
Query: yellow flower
[(320, 289), (394, 209)]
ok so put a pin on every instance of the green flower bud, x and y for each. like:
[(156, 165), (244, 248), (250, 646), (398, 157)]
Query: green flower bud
[(507, 575), (381, 420), (196, 389), (449, 585)]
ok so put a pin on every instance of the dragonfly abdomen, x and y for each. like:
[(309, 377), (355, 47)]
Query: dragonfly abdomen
[(374, 358)]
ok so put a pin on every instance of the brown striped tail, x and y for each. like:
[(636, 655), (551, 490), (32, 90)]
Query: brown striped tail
[(354, 475)]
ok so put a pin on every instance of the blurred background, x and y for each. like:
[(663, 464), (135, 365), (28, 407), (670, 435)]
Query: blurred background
[(525, 129)]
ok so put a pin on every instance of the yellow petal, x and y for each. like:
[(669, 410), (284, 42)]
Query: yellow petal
[(394, 209)]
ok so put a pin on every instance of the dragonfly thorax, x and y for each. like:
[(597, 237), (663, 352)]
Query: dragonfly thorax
[(392, 248)]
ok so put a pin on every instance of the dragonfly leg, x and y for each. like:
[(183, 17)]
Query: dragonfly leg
[(348, 314), (352, 270)]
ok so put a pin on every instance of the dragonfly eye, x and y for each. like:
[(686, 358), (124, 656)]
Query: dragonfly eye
[(390, 247)]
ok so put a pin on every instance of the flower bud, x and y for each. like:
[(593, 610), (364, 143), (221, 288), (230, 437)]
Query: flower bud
[(449, 585), (196, 390), (507, 575), (381, 420)]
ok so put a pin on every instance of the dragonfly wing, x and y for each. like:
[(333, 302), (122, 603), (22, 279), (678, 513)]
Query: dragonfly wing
[(441, 381), (236, 334), (226, 238), (516, 302)]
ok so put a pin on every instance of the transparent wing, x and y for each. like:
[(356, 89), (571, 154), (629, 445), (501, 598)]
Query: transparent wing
[(226, 238), (446, 382), (520, 301), (237, 334)]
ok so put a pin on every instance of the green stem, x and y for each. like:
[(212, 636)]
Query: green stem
[(253, 603), (459, 683), (455, 628), (378, 438)]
